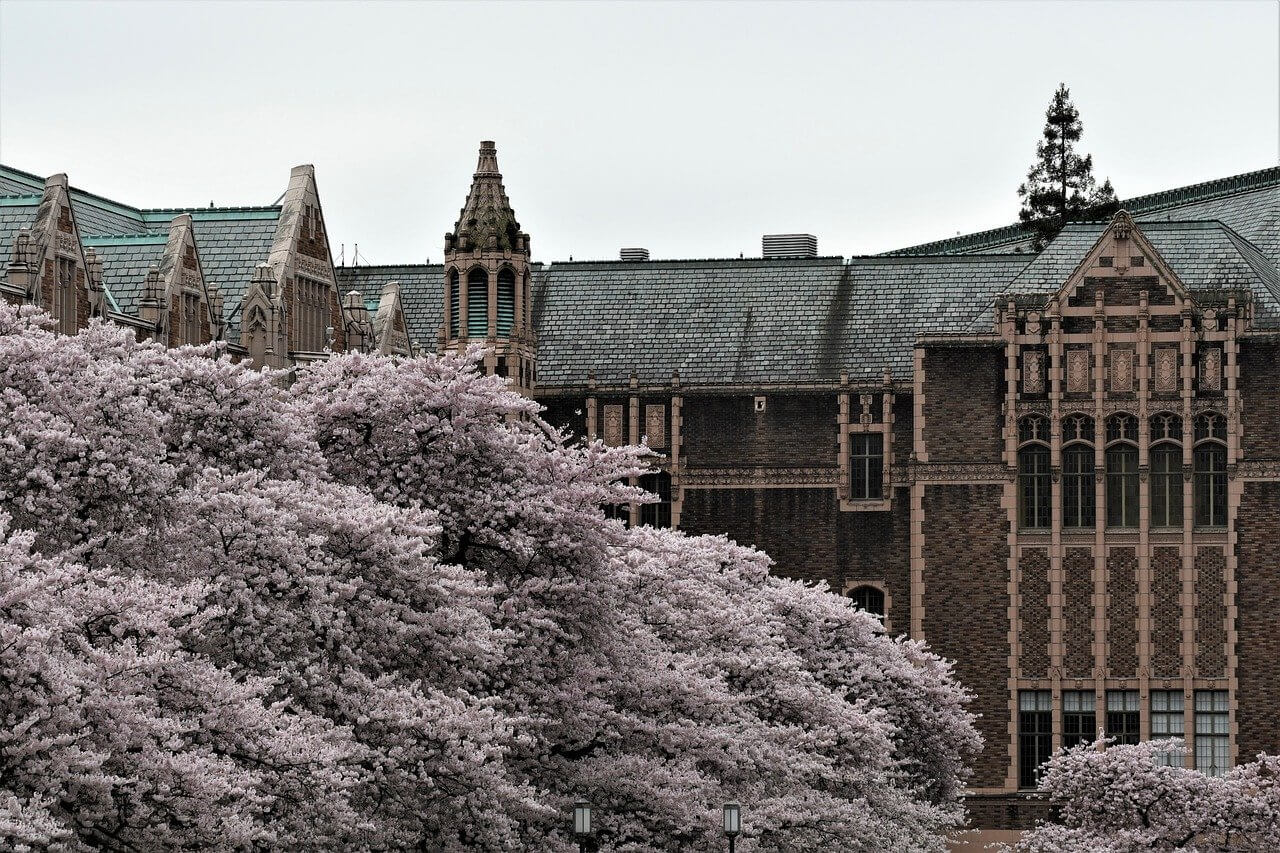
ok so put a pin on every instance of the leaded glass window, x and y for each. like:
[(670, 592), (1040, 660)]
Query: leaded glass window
[(1213, 744), (868, 598), (1035, 734), (1079, 717), (1077, 486), (1034, 486), (1122, 485), (866, 466), (1167, 722), (1211, 484), (1122, 716), (1166, 485)]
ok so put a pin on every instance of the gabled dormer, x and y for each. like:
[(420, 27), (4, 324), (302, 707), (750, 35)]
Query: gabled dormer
[(49, 264), (302, 268), (487, 280)]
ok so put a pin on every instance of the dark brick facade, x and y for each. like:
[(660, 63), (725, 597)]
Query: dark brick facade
[(877, 545), (1166, 613), (966, 600), (1122, 613), (1258, 603), (793, 431), (1211, 613), (1077, 612), (1033, 612), (1260, 388), (964, 392)]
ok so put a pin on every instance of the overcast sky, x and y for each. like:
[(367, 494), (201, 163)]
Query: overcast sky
[(687, 128)]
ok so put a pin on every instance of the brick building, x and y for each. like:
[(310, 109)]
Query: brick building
[(1061, 469)]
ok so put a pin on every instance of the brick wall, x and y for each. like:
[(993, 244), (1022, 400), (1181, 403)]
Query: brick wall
[(1258, 610), (1122, 613), (903, 431), (1166, 613), (1077, 608), (1033, 612), (963, 394), (877, 545), (966, 602), (796, 527), (1211, 613), (1260, 391), (794, 431), (339, 342), (1007, 811)]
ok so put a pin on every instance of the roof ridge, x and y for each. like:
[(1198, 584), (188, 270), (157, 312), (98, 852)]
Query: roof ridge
[(154, 211), (1204, 191)]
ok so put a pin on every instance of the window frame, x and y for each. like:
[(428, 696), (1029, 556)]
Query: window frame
[(1035, 735), (1079, 723), (1124, 717), (866, 466), (477, 324), (1212, 748), (1168, 721), (1209, 471), (1165, 463), (1079, 496)]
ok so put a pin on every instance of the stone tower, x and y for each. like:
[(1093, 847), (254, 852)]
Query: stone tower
[(486, 279)]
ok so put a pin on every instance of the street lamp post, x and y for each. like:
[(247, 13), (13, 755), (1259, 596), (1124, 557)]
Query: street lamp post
[(732, 822), (582, 823)]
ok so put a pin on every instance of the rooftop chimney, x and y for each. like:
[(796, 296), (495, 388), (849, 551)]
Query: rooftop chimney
[(790, 246), (633, 254)]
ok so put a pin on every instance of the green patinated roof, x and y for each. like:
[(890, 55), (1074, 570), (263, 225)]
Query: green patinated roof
[(1249, 203)]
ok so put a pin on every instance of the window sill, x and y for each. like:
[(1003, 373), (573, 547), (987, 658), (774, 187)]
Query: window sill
[(879, 505)]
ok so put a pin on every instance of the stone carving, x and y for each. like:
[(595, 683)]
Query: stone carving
[(1211, 370), (865, 401), (1166, 369), (826, 477), (1078, 371), (1122, 370), (66, 244), (190, 278), (1033, 371), (655, 424), (613, 426), (1258, 469), (970, 472), (312, 268)]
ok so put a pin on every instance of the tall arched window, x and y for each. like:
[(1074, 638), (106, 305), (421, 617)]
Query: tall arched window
[(506, 301), (477, 303), (869, 599), (1034, 483), (1122, 471), (1210, 480), (454, 298), (1166, 470), (1077, 472)]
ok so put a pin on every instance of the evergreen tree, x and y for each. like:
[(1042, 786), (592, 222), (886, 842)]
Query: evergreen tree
[(1060, 186)]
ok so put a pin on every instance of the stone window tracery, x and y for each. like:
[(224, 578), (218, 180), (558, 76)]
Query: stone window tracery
[(1122, 470), (1034, 474), (1210, 470)]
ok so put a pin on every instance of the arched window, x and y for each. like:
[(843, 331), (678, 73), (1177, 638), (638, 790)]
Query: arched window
[(506, 302), (477, 303), (454, 298), (1034, 483), (657, 514), (869, 599), (1122, 471), (1166, 485), (1210, 471), (1077, 486)]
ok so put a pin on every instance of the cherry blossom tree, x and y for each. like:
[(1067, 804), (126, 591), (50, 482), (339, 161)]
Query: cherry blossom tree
[(1124, 798), (382, 608)]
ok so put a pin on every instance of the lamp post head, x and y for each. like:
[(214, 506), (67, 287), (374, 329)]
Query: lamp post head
[(732, 819), (581, 818)]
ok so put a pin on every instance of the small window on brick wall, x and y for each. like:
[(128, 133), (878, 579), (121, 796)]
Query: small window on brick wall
[(1079, 718), (1122, 716), (869, 599), (866, 466)]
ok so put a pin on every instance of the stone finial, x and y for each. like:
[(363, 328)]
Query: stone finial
[(265, 278), (1121, 225), (488, 162), (22, 252), (93, 264), (153, 288)]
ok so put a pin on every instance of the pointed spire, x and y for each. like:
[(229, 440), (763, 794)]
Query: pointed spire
[(487, 222)]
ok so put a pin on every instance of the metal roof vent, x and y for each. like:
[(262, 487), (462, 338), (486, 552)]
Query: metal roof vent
[(633, 254), (790, 246)]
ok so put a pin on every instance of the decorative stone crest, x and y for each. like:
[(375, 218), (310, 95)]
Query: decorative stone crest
[(1166, 369), (1211, 370), (613, 425), (1033, 371), (865, 400), (312, 268), (1122, 370), (1078, 371), (655, 424)]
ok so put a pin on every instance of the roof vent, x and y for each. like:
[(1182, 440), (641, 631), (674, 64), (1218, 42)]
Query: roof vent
[(790, 246), (633, 254)]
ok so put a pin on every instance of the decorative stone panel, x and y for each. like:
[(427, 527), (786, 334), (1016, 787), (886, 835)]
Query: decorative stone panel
[(655, 424), (1166, 369), (1211, 613), (1077, 587), (613, 426), (1033, 371), (1166, 613), (1122, 613), (1033, 612), (1078, 371), (1211, 369), (1122, 369)]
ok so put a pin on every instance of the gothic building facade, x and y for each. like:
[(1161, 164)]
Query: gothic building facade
[(1060, 469)]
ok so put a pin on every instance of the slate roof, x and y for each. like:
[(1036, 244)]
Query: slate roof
[(231, 242), (1249, 203), (752, 321), (15, 214), (125, 261), (421, 295), (94, 213), (1204, 255)]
